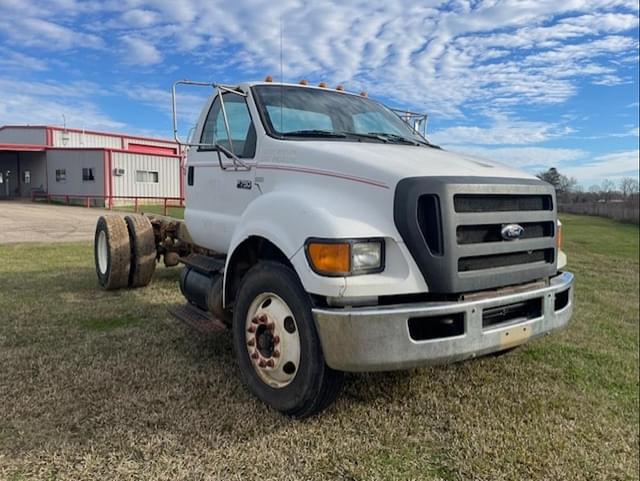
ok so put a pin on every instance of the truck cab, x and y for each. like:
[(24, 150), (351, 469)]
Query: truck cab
[(346, 241)]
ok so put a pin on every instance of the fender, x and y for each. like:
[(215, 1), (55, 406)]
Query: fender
[(288, 218)]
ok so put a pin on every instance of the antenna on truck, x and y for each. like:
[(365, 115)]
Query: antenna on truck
[(281, 76)]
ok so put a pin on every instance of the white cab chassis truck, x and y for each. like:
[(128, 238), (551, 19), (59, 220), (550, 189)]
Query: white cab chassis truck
[(329, 235)]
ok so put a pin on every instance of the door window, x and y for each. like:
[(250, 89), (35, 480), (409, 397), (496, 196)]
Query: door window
[(243, 134)]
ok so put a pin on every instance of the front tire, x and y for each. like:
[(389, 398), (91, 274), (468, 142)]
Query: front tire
[(277, 346)]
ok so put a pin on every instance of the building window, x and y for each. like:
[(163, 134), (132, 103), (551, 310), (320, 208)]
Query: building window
[(61, 175), (87, 174), (149, 176), (26, 177)]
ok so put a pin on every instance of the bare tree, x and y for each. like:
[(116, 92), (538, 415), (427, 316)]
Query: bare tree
[(595, 188), (628, 186), (567, 184), (608, 187)]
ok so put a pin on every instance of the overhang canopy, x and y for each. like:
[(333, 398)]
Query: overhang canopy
[(22, 148)]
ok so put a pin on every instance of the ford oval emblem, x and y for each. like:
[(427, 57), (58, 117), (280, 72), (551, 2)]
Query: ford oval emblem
[(512, 231)]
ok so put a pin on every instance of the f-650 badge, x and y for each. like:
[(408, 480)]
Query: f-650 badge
[(244, 184), (512, 231)]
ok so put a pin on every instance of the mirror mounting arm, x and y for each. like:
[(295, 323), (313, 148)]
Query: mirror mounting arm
[(238, 164)]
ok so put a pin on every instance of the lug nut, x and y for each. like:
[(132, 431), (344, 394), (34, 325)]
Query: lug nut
[(254, 320), (251, 329), (276, 339), (271, 326), (276, 354), (251, 342), (270, 363), (262, 319), (262, 363), (255, 355)]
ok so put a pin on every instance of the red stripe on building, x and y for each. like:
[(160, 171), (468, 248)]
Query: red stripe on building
[(151, 149)]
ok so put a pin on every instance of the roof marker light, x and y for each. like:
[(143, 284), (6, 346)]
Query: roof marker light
[(364, 94), (304, 82), (340, 87), (268, 78), (322, 85)]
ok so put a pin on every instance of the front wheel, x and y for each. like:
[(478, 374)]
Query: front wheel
[(277, 346)]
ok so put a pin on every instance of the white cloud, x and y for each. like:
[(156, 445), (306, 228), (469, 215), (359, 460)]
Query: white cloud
[(503, 131), (612, 166), (632, 132), (44, 34), (533, 159), (139, 18), (571, 162), (10, 60), (189, 101), (138, 51), (46, 103), (443, 56)]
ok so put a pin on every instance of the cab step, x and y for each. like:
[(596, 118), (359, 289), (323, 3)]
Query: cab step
[(196, 318), (207, 265)]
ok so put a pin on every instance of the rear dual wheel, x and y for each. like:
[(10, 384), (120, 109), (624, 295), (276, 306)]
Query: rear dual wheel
[(124, 251)]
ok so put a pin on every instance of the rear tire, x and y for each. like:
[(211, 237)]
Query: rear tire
[(112, 252), (143, 250), (272, 314)]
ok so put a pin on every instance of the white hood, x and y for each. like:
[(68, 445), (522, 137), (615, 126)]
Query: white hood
[(392, 162)]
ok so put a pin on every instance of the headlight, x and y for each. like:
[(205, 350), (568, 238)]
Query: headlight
[(350, 257)]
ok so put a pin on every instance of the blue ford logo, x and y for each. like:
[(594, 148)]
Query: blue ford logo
[(512, 231)]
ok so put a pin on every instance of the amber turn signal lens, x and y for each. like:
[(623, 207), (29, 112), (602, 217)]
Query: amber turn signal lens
[(330, 258), (559, 237)]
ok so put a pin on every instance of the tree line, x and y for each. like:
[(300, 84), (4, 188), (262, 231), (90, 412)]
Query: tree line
[(569, 191)]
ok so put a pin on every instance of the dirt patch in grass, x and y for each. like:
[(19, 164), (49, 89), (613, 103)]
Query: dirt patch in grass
[(104, 385)]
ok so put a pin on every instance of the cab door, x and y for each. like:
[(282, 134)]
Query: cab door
[(219, 189)]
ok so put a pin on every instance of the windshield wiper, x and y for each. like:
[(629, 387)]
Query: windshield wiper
[(397, 138), (404, 140), (314, 133), (365, 136)]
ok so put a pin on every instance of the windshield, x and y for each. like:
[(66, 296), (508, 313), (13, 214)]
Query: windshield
[(301, 112)]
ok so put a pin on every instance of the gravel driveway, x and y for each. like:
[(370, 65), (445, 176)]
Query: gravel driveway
[(22, 221)]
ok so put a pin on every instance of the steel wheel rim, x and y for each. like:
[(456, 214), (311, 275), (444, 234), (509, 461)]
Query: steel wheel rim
[(272, 340), (103, 253)]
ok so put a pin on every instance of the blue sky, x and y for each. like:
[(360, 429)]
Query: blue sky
[(528, 83)]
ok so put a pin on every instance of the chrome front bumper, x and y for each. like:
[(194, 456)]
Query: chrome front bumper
[(377, 338)]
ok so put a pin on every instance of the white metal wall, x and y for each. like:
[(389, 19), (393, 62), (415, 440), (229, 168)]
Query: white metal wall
[(80, 139), (9, 163), (168, 169), (73, 161), (35, 163), (23, 135)]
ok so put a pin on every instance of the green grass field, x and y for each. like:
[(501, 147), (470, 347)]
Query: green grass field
[(101, 385)]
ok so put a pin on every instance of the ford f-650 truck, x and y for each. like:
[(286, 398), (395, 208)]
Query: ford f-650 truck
[(329, 235)]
